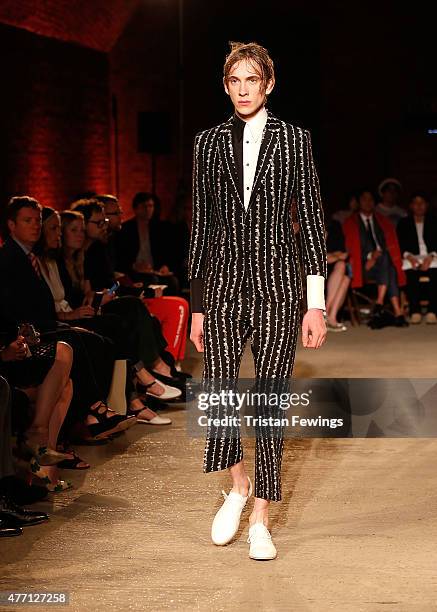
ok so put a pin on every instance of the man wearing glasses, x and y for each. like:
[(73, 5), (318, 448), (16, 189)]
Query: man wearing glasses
[(97, 267)]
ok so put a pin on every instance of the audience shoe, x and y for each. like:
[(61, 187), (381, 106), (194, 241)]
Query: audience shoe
[(52, 486), (416, 318), (430, 318), (108, 425), (227, 520), (6, 531), (155, 420), (42, 453), (16, 516), (338, 327), (170, 393), (400, 321), (261, 545)]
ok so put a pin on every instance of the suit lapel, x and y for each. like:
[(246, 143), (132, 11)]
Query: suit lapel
[(226, 151)]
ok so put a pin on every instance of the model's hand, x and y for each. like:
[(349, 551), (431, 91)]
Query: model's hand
[(196, 335), (313, 329)]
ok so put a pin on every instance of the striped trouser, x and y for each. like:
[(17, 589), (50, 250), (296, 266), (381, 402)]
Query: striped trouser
[(272, 328)]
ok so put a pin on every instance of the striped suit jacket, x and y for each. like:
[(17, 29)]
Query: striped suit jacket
[(229, 242)]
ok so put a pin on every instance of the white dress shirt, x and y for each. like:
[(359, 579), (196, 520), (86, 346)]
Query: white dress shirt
[(252, 136), (423, 251)]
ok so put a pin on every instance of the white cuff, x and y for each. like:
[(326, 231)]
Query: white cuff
[(315, 291)]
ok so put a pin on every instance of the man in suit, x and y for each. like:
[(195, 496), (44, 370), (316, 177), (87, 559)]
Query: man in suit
[(142, 248), (23, 289), (244, 269), (374, 255), (417, 235)]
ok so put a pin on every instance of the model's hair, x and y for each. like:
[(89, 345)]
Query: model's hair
[(87, 207), (74, 263), (255, 54), (16, 203)]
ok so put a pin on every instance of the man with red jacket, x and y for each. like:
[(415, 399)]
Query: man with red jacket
[(375, 256)]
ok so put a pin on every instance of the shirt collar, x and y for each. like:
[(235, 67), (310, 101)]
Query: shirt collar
[(257, 124), (23, 246), (365, 217)]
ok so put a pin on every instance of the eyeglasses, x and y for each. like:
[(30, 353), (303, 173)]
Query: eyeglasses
[(100, 223)]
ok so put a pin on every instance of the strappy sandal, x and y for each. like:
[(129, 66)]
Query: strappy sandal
[(73, 464), (107, 425)]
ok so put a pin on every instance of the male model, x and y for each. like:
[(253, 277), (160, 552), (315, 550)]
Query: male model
[(244, 269)]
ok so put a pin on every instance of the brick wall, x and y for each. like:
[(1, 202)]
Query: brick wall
[(143, 77), (54, 118)]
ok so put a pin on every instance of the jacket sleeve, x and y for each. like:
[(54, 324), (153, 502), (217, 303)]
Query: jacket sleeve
[(200, 225), (309, 208)]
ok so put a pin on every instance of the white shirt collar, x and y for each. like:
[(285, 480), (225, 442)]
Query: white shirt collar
[(365, 217), (257, 124)]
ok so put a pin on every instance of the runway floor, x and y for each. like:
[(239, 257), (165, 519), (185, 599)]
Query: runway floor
[(356, 530)]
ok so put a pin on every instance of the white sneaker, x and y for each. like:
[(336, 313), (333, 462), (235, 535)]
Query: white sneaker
[(227, 520), (261, 545)]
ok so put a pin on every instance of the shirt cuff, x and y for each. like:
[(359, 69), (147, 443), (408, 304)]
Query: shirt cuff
[(315, 291)]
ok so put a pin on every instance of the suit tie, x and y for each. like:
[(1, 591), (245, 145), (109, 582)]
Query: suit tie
[(35, 263), (370, 235)]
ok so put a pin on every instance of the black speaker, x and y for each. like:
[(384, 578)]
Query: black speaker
[(154, 133)]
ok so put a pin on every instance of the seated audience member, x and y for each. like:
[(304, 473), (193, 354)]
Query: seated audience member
[(417, 235), (12, 516), (171, 311), (374, 254), (390, 190), (142, 245), (111, 325), (338, 279), (44, 376), (26, 298), (344, 213), (140, 342)]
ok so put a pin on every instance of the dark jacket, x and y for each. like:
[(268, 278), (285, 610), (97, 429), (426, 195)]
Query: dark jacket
[(24, 297), (407, 234), (127, 244)]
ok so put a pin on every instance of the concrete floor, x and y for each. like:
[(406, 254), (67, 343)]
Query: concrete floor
[(356, 530)]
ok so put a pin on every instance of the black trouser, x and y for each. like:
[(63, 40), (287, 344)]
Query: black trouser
[(384, 273), (417, 291), (146, 344)]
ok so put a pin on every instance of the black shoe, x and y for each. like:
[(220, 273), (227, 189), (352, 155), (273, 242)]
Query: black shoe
[(6, 531), (20, 492), (170, 361), (400, 321), (19, 517)]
